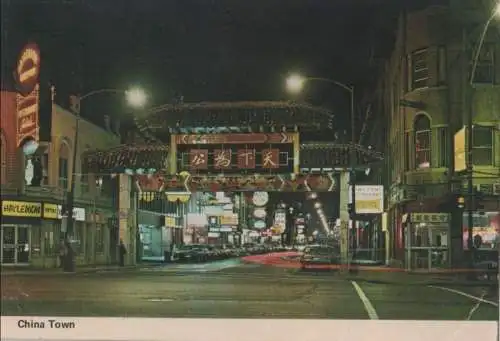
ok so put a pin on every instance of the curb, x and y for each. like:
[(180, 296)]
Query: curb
[(82, 271)]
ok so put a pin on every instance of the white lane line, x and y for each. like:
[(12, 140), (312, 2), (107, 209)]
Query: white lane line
[(160, 300), (472, 297), (475, 307), (372, 314)]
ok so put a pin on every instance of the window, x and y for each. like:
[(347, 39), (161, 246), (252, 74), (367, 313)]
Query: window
[(482, 144), (3, 159), (45, 169), (419, 70), (441, 65), (422, 128), (443, 149), (63, 165), (407, 151), (485, 68)]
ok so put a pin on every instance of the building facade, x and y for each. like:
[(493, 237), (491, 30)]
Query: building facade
[(34, 190), (422, 96)]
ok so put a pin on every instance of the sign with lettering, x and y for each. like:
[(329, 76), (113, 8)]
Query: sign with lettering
[(21, 209), (28, 69), (236, 153), (27, 116)]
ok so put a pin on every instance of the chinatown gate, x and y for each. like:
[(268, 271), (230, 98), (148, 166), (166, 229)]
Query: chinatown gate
[(180, 159)]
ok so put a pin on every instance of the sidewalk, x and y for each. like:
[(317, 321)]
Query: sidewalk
[(13, 271)]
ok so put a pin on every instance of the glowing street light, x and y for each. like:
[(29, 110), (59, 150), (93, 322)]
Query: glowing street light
[(136, 97), (317, 205), (295, 83), (313, 196)]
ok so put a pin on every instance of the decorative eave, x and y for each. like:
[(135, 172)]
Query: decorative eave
[(226, 117), (117, 159)]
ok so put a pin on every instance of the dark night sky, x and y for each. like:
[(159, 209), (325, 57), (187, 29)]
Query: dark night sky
[(206, 50)]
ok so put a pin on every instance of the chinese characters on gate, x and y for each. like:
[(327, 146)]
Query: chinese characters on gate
[(243, 158)]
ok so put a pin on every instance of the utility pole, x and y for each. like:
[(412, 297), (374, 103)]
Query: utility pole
[(352, 175)]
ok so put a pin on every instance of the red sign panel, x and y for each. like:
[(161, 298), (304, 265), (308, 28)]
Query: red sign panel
[(198, 159), (270, 158), (222, 158), (246, 158)]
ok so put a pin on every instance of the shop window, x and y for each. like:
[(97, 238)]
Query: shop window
[(64, 156), (99, 239), (482, 147), (36, 240), (50, 241), (419, 70), (485, 67), (422, 127), (444, 149)]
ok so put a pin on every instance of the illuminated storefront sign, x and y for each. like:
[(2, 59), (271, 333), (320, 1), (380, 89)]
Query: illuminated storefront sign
[(369, 199), (27, 74), (228, 153), (21, 209), (53, 211)]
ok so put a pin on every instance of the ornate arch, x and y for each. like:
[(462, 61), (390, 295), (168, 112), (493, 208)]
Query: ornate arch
[(422, 140)]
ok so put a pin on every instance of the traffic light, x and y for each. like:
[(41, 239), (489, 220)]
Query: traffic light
[(461, 202)]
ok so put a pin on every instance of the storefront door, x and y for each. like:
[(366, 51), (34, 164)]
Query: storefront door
[(15, 244)]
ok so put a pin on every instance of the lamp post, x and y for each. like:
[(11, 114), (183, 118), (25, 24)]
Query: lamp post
[(295, 84), (135, 97), (469, 127)]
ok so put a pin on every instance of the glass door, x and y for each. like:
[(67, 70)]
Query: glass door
[(8, 244), (22, 244)]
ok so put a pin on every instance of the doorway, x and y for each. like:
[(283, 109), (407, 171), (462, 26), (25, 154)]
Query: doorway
[(15, 244)]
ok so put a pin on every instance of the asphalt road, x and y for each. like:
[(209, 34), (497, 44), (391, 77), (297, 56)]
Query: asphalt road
[(234, 290)]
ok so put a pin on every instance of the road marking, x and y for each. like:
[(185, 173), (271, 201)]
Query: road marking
[(458, 292), (474, 308), (160, 300), (372, 314)]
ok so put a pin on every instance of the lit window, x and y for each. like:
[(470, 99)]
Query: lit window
[(422, 128)]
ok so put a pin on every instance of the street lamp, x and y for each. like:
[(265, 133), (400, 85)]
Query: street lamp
[(135, 97), (295, 83), (317, 205), (495, 13)]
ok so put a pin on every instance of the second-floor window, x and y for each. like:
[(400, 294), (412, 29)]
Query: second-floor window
[(422, 127), (485, 67), (419, 70), (64, 154), (482, 146)]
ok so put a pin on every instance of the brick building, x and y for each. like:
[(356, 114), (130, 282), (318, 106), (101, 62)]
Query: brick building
[(31, 212), (421, 100)]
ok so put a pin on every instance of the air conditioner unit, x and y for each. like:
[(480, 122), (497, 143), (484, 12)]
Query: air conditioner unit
[(496, 189)]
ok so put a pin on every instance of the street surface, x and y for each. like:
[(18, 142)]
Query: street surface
[(233, 289)]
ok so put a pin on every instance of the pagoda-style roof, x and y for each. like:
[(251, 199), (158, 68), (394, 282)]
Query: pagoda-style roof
[(226, 117)]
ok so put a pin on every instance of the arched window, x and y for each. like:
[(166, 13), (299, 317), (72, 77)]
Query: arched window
[(3, 159), (422, 127), (64, 157)]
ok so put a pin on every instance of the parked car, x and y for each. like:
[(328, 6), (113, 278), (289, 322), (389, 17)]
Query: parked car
[(319, 255)]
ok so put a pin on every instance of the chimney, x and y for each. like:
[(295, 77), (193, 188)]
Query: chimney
[(107, 123)]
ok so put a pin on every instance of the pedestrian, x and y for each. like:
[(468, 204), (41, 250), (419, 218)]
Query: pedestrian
[(63, 251), (123, 252)]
